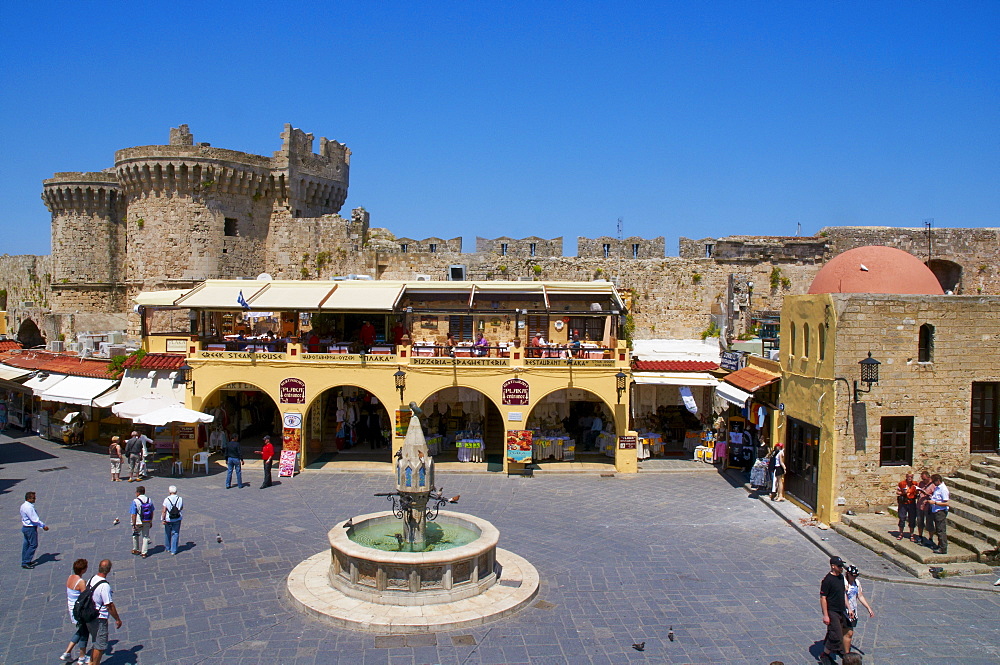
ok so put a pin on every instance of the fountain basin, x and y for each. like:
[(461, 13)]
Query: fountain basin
[(413, 578)]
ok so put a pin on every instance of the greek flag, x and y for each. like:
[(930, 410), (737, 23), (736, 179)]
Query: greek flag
[(240, 300)]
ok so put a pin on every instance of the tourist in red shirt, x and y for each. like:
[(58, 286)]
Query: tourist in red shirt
[(906, 502), (267, 452)]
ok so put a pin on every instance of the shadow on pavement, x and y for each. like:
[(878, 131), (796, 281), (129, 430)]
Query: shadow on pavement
[(22, 452), (121, 656), (189, 545), (7, 483), (48, 557)]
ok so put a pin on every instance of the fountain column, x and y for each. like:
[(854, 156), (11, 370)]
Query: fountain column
[(414, 482)]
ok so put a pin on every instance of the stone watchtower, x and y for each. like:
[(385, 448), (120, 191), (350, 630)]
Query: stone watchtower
[(88, 240), (196, 212)]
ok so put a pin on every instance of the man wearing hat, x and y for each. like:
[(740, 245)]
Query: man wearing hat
[(833, 602)]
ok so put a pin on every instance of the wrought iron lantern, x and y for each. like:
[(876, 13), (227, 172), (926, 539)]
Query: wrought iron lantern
[(186, 375), (869, 375), (400, 377), (620, 379)]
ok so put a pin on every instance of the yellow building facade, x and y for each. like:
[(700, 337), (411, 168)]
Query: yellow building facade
[(297, 357)]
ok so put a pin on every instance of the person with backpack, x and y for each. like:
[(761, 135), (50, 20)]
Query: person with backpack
[(94, 606), (75, 585), (142, 520), (172, 507), (133, 451)]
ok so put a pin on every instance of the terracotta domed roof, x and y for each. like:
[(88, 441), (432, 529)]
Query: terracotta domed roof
[(876, 269)]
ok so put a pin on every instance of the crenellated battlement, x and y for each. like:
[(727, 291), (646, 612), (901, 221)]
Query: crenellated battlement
[(529, 247), (432, 245), (95, 193), (633, 247)]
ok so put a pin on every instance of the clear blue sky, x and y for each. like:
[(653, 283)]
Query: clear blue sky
[(538, 118)]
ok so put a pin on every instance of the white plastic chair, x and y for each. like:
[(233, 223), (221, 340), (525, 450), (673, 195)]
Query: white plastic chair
[(199, 459)]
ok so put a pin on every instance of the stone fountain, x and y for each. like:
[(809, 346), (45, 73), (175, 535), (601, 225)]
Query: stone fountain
[(415, 568)]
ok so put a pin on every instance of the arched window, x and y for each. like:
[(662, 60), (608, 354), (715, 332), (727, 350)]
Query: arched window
[(792, 348), (805, 340), (821, 331), (925, 350)]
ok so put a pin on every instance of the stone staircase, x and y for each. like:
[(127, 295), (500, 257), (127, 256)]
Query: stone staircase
[(973, 528)]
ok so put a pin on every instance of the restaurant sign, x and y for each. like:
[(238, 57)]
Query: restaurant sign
[(514, 392), (627, 442), (292, 391)]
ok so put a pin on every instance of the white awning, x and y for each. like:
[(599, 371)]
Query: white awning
[(107, 399), (732, 394), (220, 294), (674, 379), (42, 382), (13, 373), (79, 390), (161, 298), (136, 383), (284, 296), (362, 296)]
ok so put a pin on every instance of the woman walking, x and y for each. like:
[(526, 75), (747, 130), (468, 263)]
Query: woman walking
[(74, 585), (778, 477), (854, 594), (115, 452)]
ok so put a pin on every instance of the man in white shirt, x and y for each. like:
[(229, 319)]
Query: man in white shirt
[(939, 512), (102, 600), (29, 529)]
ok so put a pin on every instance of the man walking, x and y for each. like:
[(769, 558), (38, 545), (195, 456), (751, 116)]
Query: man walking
[(234, 462), (133, 451), (267, 452), (29, 529), (98, 628), (833, 602), (141, 511), (939, 512), (172, 507)]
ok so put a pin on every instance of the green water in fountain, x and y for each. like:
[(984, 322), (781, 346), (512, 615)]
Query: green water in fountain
[(388, 536)]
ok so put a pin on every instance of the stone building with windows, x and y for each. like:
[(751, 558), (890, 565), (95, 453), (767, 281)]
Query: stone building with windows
[(934, 406)]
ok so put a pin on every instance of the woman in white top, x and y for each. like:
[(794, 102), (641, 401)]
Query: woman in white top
[(74, 585), (854, 594), (778, 493)]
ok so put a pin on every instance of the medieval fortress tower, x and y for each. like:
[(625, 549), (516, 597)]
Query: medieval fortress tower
[(169, 216)]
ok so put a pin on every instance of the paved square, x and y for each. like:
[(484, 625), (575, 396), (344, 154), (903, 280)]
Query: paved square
[(622, 560)]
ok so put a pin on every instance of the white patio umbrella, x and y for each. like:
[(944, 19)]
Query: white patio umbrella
[(139, 406), (174, 413)]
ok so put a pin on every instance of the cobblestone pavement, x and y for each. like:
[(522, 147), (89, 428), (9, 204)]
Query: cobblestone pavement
[(621, 559)]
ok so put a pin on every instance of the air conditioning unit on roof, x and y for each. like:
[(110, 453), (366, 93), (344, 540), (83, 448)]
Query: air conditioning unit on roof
[(56, 346), (423, 278)]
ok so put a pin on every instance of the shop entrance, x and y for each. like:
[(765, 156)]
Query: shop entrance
[(572, 424), (347, 423), (462, 424), (244, 411), (802, 461), (660, 411)]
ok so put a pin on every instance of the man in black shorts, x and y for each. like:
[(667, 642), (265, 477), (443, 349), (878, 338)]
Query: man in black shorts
[(833, 602)]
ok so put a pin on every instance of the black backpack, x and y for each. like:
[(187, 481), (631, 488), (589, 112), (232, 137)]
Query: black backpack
[(174, 512), (84, 609)]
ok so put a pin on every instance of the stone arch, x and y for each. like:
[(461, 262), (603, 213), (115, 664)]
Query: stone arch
[(29, 335), (492, 427), (249, 433), (325, 433), (948, 273), (575, 410)]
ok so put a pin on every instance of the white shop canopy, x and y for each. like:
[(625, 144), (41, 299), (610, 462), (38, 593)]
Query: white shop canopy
[(674, 379), (291, 296), (220, 294), (80, 390), (159, 298), (42, 382), (136, 383), (364, 296), (732, 394), (13, 373)]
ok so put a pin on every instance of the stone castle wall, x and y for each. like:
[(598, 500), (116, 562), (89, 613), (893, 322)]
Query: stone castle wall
[(632, 247), (169, 216)]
